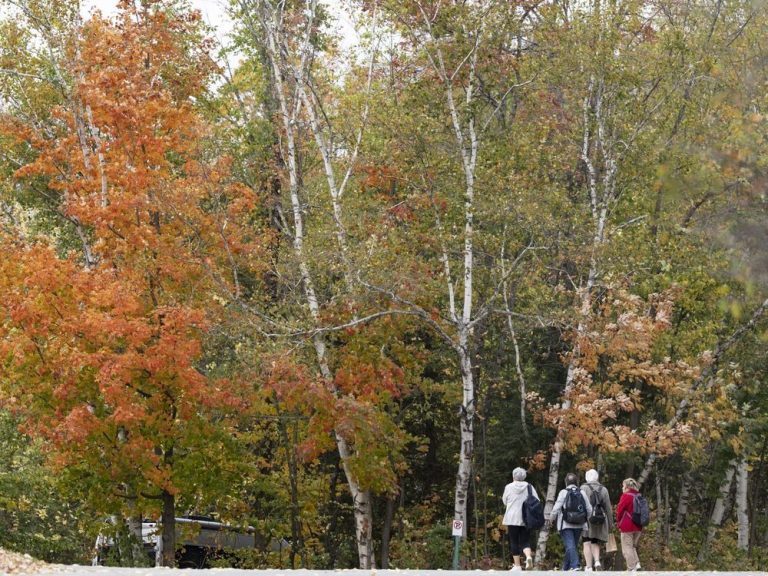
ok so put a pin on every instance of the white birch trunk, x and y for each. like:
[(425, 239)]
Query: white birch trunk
[(362, 501), (466, 424), (513, 335), (468, 145), (602, 193), (742, 506), (363, 512), (98, 145), (682, 505), (311, 102), (716, 519)]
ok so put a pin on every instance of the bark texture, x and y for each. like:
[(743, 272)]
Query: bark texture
[(718, 511), (742, 505)]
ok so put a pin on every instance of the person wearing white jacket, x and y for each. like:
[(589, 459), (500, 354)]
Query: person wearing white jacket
[(515, 493), (570, 533)]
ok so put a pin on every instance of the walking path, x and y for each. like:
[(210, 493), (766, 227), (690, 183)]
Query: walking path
[(105, 571)]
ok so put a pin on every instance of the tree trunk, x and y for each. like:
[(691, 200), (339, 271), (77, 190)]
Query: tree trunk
[(667, 512), (549, 501), (716, 519), (292, 460), (554, 463), (168, 536), (601, 185), (634, 424), (466, 424), (363, 510), (661, 513), (272, 23), (333, 506), (386, 530), (682, 505), (513, 335), (742, 506)]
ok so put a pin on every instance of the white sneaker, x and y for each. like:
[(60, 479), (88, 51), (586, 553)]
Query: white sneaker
[(587, 569), (598, 565), (528, 563), (516, 568)]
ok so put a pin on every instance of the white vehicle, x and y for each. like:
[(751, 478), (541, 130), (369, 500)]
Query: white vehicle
[(200, 539)]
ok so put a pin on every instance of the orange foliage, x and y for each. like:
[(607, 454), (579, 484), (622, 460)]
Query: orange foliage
[(615, 368), (104, 356)]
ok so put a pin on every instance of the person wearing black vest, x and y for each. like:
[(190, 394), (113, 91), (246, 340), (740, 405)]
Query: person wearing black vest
[(600, 522)]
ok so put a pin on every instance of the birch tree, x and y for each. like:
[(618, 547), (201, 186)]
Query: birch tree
[(742, 503), (682, 505), (608, 136), (454, 42), (718, 510), (291, 35)]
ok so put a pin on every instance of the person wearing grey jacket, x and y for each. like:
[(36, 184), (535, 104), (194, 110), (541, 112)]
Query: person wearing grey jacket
[(596, 533), (569, 532), (515, 494)]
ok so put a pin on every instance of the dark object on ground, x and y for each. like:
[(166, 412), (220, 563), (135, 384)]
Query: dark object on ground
[(202, 539)]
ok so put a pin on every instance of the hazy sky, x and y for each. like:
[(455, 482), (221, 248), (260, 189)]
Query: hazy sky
[(214, 13)]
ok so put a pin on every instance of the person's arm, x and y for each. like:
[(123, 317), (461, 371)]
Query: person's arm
[(608, 508), (505, 496), (585, 495), (558, 505), (621, 507)]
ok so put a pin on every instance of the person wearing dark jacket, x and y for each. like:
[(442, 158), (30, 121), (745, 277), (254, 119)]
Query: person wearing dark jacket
[(630, 532), (596, 534), (514, 496), (569, 532)]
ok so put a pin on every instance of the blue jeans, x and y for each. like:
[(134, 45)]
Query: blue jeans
[(570, 538)]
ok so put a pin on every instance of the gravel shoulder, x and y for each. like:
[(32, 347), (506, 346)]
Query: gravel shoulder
[(15, 563), (104, 571)]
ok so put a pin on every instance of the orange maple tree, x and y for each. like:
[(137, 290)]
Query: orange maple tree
[(619, 371), (102, 347)]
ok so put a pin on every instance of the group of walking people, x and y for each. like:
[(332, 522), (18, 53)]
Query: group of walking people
[(584, 513)]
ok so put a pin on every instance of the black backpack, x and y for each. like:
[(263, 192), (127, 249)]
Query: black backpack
[(575, 508), (641, 513), (597, 517), (533, 511)]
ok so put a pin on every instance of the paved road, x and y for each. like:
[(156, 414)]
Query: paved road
[(104, 571)]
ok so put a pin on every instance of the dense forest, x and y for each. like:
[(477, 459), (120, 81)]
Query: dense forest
[(338, 291)]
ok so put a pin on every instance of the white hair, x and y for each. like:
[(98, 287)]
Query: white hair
[(518, 474), (592, 475)]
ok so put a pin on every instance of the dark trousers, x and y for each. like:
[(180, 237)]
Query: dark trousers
[(519, 538)]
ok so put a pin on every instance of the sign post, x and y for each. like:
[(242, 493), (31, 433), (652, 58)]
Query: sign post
[(457, 532)]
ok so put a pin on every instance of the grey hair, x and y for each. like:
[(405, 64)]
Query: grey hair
[(592, 475), (518, 474), (571, 478)]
